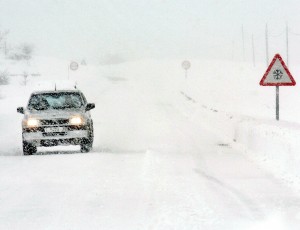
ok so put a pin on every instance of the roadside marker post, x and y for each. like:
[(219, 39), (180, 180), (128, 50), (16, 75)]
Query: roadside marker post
[(73, 66), (277, 74), (186, 65)]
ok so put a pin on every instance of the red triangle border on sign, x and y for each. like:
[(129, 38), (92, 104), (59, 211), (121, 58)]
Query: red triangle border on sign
[(262, 81)]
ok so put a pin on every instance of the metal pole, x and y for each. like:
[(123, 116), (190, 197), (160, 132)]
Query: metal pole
[(253, 53), (5, 49), (267, 46), (287, 44), (243, 42), (186, 74), (232, 54), (277, 103), (68, 71)]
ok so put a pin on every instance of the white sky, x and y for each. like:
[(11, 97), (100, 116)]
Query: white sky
[(151, 28)]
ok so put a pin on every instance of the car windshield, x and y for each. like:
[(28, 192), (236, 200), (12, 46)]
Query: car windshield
[(61, 100)]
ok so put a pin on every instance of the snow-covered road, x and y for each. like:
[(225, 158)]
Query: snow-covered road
[(152, 167), (187, 179)]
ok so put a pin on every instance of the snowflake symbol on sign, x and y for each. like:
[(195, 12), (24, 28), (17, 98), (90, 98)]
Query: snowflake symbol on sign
[(277, 74)]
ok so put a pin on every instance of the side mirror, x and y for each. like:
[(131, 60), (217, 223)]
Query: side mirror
[(20, 110), (89, 106)]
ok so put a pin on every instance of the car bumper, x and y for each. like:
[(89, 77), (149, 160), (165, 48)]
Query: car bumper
[(51, 139)]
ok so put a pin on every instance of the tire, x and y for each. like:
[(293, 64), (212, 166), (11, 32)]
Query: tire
[(87, 143), (28, 149)]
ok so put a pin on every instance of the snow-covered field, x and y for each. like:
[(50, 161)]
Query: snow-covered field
[(170, 153)]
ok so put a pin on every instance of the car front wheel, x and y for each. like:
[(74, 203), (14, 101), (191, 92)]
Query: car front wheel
[(28, 149), (87, 143)]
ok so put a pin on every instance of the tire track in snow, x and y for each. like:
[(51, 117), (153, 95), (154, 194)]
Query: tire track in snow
[(250, 207), (174, 199)]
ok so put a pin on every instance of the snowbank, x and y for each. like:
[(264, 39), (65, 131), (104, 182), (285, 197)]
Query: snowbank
[(274, 145)]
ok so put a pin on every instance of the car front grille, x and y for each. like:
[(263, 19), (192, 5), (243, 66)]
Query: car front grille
[(54, 122), (54, 134), (42, 129)]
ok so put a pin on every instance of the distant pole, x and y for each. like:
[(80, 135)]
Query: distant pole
[(25, 74), (253, 53), (287, 44), (267, 46), (5, 49), (243, 42), (232, 54)]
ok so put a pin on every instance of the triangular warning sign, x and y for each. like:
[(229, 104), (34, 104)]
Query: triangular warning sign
[(277, 74)]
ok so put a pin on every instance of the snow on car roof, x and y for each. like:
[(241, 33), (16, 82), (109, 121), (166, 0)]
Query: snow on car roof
[(55, 91)]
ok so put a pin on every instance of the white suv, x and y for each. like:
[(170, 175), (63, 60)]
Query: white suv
[(59, 117)]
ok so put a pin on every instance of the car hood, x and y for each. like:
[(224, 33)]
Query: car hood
[(54, 114)]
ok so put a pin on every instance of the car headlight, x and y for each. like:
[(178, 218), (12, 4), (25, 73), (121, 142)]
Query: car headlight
[(76, 120), (32, 122)]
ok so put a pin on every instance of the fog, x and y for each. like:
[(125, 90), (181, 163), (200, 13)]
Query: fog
[(135, 29)]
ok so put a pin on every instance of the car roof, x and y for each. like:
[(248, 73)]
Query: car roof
[(56, 91)]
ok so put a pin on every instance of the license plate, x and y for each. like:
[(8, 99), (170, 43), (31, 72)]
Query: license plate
[(55, 129)]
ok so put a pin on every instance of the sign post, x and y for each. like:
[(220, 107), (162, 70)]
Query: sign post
[(277, 75), (277, 103), (73, 66), (186, 65)]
